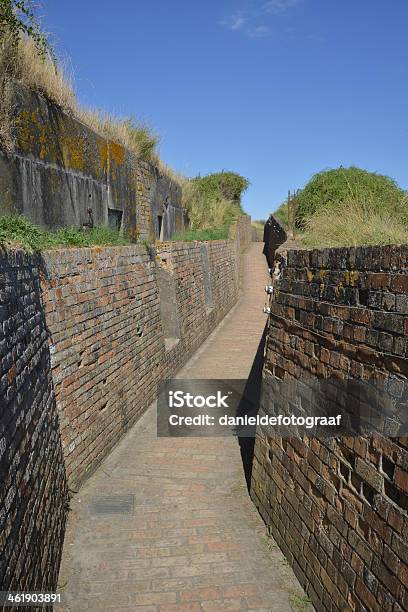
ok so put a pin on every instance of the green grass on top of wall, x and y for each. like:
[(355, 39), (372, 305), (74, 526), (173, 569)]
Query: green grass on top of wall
[(18, 232), (349, 207)]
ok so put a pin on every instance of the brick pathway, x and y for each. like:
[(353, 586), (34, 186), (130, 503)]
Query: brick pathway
[(193, 542)]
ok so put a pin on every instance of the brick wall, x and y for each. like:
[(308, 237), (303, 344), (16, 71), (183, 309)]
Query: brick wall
[(82, 348), (108, 344), (338, 506), (33, 491)]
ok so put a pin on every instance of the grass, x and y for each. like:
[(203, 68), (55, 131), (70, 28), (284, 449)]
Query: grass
[(54, 81), (350, 207), (42, 75), (18, 232), (354, 223), (137, 138), (201, 235), (213, 201), (6, 95), (300, 602), (258, 225)]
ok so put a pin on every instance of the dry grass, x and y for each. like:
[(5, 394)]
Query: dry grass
[(165, 169), (138, 138), (42, 75), (6, 114), (55, 82), (258, 224), (7, 60), (356, 222)]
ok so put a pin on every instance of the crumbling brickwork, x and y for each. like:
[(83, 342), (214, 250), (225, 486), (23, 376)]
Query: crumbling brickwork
[(338, 506), (33, 491)]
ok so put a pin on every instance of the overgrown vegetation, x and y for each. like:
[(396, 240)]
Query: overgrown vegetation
[(356, 222), (27, 57), (258, 223), (214, 201), (18, 232), (350, 206), (17, 19), (345, 185), (282, 214), (223, 185), (201, 234)]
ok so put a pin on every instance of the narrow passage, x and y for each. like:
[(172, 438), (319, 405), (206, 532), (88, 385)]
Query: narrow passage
[(192, 541)]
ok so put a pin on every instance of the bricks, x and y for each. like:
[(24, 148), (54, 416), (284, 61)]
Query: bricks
[(33, 485), (401, 479), (193, 523), (87, 336), (369, 474), (117, 331), (353, 506)]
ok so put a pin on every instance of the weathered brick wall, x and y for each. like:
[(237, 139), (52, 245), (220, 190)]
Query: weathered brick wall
[(338, 506), (108, 345), (82, 348), (60, 168), (33, 491), (102, 312)]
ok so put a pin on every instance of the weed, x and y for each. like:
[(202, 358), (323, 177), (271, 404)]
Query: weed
[(23, 63), (18, 232), (300, 602), (347, 185)]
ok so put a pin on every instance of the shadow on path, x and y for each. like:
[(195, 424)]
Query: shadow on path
[(250, 404)]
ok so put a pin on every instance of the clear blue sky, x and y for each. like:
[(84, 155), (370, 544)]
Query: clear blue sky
[(275, 90)]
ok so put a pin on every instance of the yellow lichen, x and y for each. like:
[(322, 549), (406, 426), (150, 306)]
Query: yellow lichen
[(104, 155), (354, 276), (73, 152), (117, 152)]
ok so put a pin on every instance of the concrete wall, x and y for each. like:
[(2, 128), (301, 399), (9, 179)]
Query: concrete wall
[(338, 507), (61, 168), (33, 491)]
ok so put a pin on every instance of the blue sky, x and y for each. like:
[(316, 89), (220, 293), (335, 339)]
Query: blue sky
[(275, 90)]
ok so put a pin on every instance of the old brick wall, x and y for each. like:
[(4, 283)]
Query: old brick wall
[(83, 347), (338, 506), (33, 491), (109, 347)]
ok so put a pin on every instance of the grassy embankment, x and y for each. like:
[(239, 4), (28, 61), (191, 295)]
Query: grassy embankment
[(212, 203), (350, 207)]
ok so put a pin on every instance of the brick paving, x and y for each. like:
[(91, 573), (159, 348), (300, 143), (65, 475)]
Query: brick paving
[(193, 541)]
